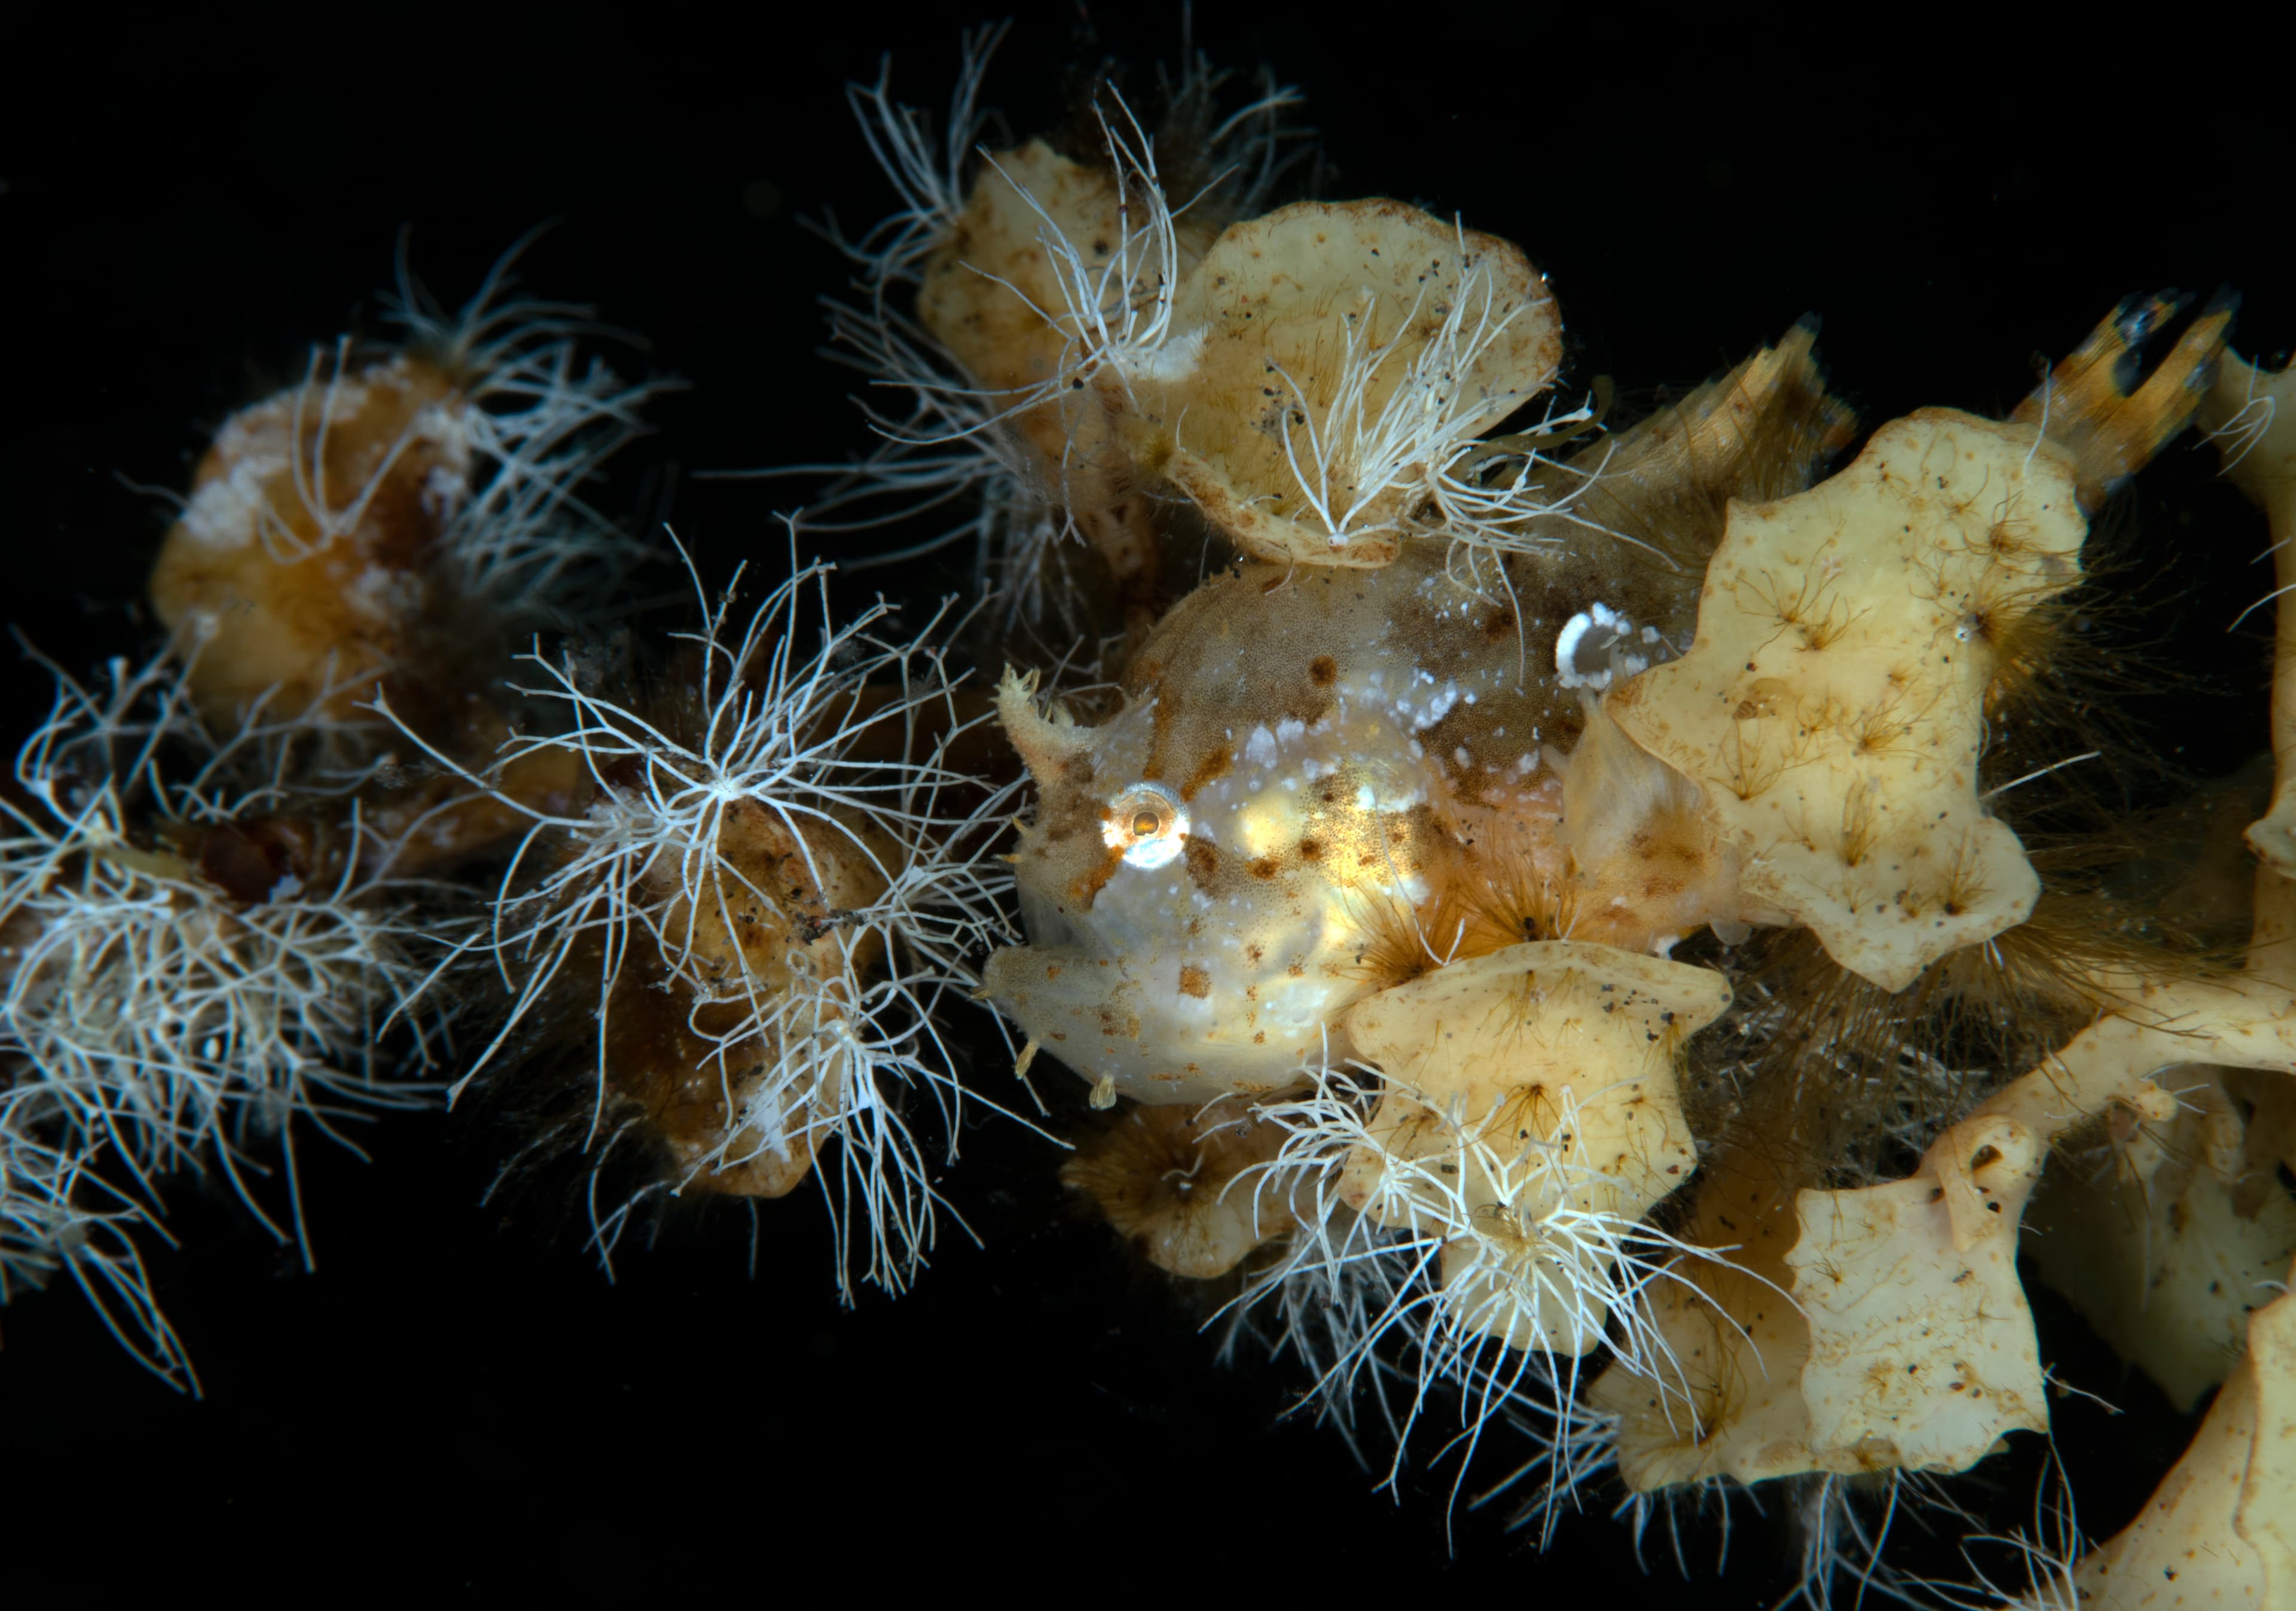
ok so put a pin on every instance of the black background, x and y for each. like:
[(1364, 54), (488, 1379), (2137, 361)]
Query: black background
[(457, 1397)]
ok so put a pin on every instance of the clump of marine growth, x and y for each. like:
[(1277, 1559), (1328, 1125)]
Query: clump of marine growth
[(220, 899), (1547, 921), (1558, 922), (695, 917)]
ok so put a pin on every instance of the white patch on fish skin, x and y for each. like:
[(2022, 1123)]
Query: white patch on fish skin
[(1437, 708), (1174, 360), (1601, 634)]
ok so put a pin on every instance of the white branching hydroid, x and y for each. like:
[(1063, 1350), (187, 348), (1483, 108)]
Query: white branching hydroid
[(1098, 294), (942, 441), (950, 448), (1317, 1303), (2045, 1556), (58, 1214), (1572, 1447), (539, 420), (787, 846), (1363, 469), (155, 1015), (1495, 1281), (500, 417), (1116, 296), (929, 170)]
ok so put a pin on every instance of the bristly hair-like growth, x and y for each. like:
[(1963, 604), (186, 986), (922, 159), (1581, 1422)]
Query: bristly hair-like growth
[(1240, 159), (1421, 442), (940, 444), (780, 879), (389, 516), (189, 965), (2045, 1556), (544, 420), (58, 1213), (929, 171), (1319, 1299), (1573, 1447), (951, 439), (1501, 1303)]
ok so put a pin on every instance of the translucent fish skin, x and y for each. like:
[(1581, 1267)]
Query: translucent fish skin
[(1412, 725), (1308, 764)]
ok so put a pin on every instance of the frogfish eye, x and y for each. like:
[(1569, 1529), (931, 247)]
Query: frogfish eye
[(1146, 822)]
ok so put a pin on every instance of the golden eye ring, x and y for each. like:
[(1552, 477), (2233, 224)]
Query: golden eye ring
[(1146, 824)]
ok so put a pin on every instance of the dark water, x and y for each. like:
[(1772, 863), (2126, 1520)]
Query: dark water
[(456, 1396)]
